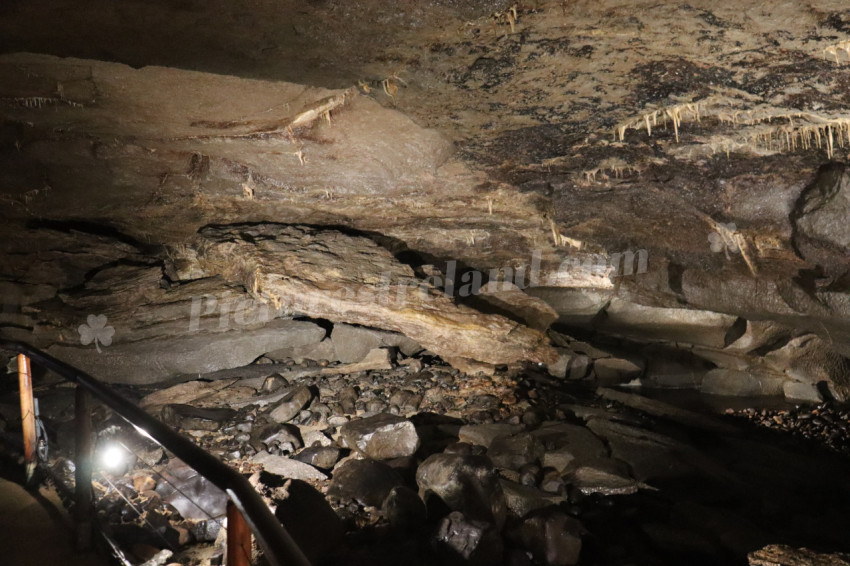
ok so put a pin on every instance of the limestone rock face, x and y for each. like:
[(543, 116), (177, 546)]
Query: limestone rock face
[(809, 359), (345, 278), (822, 230), (152, 361), (678, 234), (741, 383), (507, 297)]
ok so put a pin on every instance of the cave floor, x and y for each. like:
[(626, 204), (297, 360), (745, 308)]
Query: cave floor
[(670, 485)]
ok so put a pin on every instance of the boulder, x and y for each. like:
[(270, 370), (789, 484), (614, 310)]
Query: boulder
[(804, 392), (561, 366), (576, 305), (464, 483), (484, 434), (311, 522), (681, 325), (757, 334), (195, 418), (376, 359), (322, 457), (352, 343), (551, 536), (507, 298), (559, 460), (513, 452), (741, 383), (381, 437), (617, 370), (522, 500), (560, 439), (323, 350), (184, 393), (204, 530), (810, 359), (291, 404), (287, 467), (606, 476), (474, 542), (403, 509), (579, 366), (366, 481), (268, 436), (315, 438)]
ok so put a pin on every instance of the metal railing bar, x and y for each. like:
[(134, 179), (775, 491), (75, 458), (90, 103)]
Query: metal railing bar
[(139, 513), (174, 487), (277, 544)]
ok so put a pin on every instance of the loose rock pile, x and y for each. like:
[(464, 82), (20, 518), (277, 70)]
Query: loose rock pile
[(419, 463), (824, 424), (464, 466)]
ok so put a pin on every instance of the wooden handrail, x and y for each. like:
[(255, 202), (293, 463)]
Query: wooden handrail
[(277, 544)]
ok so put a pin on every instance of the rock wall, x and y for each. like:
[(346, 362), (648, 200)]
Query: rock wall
[(668, 189)]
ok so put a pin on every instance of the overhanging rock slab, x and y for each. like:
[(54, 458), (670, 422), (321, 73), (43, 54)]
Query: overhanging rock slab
[(348, 278)]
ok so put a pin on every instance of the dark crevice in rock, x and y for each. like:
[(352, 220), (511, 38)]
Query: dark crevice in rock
[(323, 323), (94, 228), (118, 263), (738, 329)]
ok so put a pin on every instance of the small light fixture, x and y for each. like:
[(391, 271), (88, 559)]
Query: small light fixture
[(113, 458)]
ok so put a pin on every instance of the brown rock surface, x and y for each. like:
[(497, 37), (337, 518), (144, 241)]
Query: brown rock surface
[(342, 278), (781, 555), (693, 152)]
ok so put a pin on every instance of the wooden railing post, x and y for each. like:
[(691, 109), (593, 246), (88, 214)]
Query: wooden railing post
[(238, 538), (27, 416), (83, 510)]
